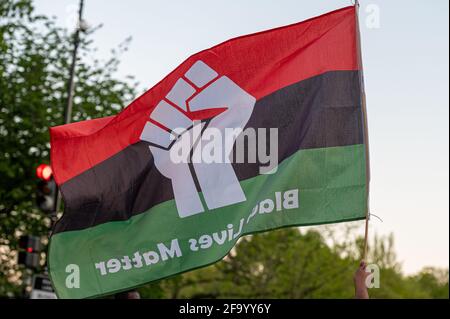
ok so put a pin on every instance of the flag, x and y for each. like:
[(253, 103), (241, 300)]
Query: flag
[(259, 132)]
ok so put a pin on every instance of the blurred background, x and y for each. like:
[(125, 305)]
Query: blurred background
[(127, 47)]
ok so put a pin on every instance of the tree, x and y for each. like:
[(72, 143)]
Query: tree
[(34, 64), (433, 281)]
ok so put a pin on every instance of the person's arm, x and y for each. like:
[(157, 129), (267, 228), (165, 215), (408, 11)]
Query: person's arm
[(360, 282)]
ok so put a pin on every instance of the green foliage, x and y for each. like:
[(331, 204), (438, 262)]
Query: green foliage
[(35, 56), (432, 282)]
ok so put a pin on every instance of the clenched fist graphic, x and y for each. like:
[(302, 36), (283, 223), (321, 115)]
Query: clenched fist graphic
[(200, 91)]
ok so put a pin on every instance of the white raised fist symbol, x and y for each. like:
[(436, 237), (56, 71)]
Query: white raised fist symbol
[(200, 93)]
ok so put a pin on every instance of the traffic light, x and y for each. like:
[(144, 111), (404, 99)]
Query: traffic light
[(46, 188), (44, 172), (29, 253)]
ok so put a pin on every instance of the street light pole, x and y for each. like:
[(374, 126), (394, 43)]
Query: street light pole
[(71, 83), (70, 93)]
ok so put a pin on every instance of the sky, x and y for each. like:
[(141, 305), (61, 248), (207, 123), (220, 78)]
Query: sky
[(406, 65)]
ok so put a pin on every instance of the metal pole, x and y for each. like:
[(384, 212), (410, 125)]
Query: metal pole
[(70, 93), (71, 83)]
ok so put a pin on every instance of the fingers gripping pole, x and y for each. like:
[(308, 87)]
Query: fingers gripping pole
[(366, 235)]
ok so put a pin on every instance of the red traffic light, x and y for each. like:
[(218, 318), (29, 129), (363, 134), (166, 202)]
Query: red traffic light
[(44, 172)]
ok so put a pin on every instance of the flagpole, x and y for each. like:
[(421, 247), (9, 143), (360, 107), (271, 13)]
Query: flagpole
[(366, 131)]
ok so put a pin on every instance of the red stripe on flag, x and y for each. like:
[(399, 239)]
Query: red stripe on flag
[(260, 63)]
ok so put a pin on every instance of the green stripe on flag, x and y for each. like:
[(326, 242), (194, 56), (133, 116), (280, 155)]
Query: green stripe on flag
[(331, 186)]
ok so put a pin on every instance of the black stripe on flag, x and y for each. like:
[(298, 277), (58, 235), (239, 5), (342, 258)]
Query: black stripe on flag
[(323, 111)]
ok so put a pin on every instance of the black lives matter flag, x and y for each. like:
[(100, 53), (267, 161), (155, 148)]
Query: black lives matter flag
[(262, 131)]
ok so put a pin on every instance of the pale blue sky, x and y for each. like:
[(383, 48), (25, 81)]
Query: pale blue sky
[(406, 63)]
